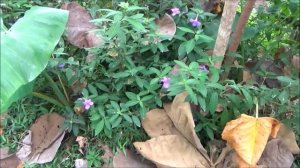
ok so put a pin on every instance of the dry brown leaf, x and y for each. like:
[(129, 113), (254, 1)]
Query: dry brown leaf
[(171, 151), (45, 131), (79, 27), (157, 123), (8, 160), (166, 26), (276, 154), (81, 141), (130, 160), (288, 138), (43, 140), (249, 136), (49, 153), (181, 115)]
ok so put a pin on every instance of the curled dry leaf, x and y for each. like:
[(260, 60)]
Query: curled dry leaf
[(43, 140), (130, 160), (8, 160), (248, 136), (166, 26), (276, 154), (81, 141), (78, 86), (171, 151), (181, 115), (288, 138), (79, 27)]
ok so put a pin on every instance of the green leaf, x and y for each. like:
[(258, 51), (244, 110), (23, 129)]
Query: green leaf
[(283, 97), (131, 95), (99, 127), (28, 44), (102, 87), (92, 89), (181, 64), (187, 30), (213, 102), (136, 121), (121, 75), (210, 133), (127, 118), (248, 97), (117, 122), (181, 50), (137, 25), (190, 46)]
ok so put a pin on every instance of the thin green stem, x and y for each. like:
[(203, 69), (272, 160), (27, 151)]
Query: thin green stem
[(56, 90), (47, 98)]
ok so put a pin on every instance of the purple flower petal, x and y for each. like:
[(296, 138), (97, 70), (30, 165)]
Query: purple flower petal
[(87, 103), (195, 22), (175, 11), (203, 68), (166, 82), (61, 66)]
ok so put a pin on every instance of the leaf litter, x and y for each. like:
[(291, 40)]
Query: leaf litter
[(43, 139), (177, 145)]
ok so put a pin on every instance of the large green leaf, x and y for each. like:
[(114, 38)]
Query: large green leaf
[(26, 48)]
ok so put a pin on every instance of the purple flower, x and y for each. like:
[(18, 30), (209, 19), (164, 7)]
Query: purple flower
[(195, 22), (175, 11), (203, 68), (61, 65), (87, 103), (166, 82)]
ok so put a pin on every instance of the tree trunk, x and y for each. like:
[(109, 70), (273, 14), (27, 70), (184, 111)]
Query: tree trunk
[(224, 31), (237, 35)]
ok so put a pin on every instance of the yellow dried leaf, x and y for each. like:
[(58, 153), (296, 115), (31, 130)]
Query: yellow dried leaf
[(249, 136), (171, 151)]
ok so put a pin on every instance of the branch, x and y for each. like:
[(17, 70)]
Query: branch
[(224, 31), (237, 35)]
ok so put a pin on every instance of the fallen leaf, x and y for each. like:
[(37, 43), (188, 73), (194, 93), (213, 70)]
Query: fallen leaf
[(288, 138), (49, 153), (79, 27), (157, 123), (249, 136), (276, 154), (130, 160), (219, 108), (171, 151), (166, 26), (81, 141), (43, 140), (181, 115), (8, 160), (81, 163)]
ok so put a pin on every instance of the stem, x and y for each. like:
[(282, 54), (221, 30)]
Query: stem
[(47, 98), (63, 87), (256, 111), (237, 35), (56, 90)]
